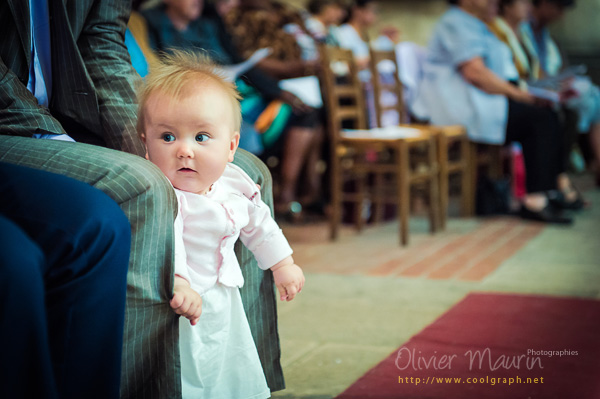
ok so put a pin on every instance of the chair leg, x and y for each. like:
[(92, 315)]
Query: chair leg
[(467, 188), (378, 203), (434, 188), (336, 196), (403, 196), (442, 151), (360, 202), (474, 171), (496, 166)]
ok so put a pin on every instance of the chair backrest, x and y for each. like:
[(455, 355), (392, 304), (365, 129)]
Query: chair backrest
[(387, 87), (342, 91)]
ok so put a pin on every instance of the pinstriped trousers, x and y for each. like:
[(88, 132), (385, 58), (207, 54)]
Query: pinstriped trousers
[(151, 367)]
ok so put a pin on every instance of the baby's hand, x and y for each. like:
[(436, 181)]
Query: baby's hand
[(289, 278), (186, 301)]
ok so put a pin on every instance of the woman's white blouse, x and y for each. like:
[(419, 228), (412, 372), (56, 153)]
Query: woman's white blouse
[(207, 227), (347, 37)]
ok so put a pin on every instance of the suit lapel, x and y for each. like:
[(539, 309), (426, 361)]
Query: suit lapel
[(73, 93), (20, 12)]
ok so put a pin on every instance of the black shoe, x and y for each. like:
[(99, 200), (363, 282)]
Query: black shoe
[(547, 215), (316, 207), (557, 199)]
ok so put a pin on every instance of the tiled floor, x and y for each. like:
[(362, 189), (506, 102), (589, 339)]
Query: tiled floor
[(365, 295)]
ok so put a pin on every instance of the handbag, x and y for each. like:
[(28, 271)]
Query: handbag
[(270, 118)]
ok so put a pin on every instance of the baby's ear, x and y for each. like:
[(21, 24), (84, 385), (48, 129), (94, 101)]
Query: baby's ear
[(143, 138), (233, 145)]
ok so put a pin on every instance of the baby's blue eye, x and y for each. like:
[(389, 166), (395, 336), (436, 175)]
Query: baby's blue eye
[(168, 137), (202, 137)]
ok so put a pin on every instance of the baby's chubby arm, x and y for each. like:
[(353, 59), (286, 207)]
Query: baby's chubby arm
[(289, 278), (186, 302), (265, 239)]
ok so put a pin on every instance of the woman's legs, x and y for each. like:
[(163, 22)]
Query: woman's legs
[(299, 151), (537, 129), (313, 176), (595, 144)]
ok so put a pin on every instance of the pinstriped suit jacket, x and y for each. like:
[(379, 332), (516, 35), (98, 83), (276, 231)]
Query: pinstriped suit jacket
[(92, 77)]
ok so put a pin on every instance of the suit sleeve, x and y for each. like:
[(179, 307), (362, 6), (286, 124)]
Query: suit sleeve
[(20, 114), (102, 46)]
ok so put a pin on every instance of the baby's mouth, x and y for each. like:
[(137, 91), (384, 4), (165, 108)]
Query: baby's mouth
[(186, 170)]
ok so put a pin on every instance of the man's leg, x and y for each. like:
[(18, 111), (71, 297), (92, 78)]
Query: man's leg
[(79, 281), (150, 349), (24, 357)]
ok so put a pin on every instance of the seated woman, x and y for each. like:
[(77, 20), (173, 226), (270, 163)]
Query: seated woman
[(312, 27), (324, 15), (259, 23), (352, 35), (512, 14), (466, 81), (181, 25), (542, 49), (256, 24)]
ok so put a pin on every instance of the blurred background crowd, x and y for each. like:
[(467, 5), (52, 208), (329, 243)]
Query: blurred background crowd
[(500, 68)]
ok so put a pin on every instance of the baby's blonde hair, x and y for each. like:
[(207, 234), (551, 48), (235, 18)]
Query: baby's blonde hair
[(175, 71)]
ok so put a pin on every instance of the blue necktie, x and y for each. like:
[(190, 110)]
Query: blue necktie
[(41, 62)]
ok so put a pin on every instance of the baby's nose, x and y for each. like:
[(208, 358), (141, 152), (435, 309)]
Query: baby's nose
[(185, 151)]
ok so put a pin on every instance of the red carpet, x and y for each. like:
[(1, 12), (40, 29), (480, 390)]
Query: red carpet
[(435, 364)]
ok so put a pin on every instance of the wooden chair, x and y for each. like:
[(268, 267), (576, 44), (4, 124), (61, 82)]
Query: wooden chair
[(447, 137), (486, 157), (357, 159)]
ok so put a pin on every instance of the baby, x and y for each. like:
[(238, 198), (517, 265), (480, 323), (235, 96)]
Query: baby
[(189, 120)]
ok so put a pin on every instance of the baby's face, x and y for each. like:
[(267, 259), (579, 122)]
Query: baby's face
[(191, 139)]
